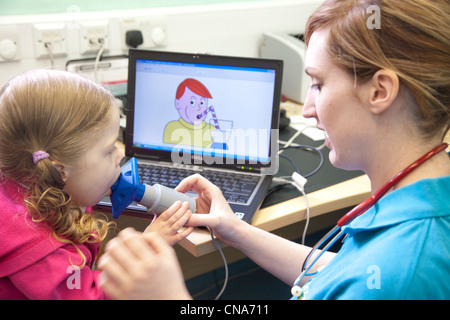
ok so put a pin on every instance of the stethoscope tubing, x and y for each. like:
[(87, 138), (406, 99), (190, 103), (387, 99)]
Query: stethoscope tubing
[(306, 267), (358, 210)]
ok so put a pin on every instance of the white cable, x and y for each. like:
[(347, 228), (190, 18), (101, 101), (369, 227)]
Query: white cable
[(299, 132), (298, 182), (101, 42), (307, 213), (48, 45), (224, 262)]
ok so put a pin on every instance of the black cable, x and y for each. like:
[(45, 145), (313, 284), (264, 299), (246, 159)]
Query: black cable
[(306, 148), (291, 161)]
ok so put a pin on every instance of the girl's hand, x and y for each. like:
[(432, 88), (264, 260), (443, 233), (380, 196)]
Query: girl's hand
[(169, 223)]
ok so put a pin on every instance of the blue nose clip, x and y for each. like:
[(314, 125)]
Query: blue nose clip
[(126, 189)]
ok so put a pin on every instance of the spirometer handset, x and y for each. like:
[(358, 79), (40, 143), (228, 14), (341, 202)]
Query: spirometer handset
[(156, 198)]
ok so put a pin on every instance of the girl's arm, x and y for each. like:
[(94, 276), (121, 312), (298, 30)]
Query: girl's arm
[(58, 276)]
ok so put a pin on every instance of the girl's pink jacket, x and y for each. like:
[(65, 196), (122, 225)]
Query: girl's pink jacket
[(33, 264)]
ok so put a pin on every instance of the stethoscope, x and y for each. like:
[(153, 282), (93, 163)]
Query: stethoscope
[(352, 214)]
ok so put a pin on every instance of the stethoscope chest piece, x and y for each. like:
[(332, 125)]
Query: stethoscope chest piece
[(297, 292)]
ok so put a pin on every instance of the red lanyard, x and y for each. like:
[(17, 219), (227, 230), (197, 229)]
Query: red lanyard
[(363, 207)]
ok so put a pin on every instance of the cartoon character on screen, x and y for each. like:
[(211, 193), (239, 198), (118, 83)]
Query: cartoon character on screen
[(191, 101)]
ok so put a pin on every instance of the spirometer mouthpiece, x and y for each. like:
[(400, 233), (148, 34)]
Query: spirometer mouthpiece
[(156, 198)]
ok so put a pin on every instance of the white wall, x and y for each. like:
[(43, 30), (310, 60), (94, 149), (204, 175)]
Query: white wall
[(228, 29)]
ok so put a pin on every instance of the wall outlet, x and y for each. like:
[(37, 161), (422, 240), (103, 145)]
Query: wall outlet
[(9, 43), (94, 35), (50, 40), (153, 29)]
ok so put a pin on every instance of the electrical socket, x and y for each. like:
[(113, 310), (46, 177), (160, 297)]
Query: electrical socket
[(50, 37), (9, 43), (153, 29), (93, 34)]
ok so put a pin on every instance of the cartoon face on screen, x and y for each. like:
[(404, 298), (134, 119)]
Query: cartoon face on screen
[(192, 104), (192, 101)]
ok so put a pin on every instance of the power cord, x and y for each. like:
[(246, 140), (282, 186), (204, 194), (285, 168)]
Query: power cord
[(290, 144), (101, 43), (224, 262), (298, 181), (48, 45), (299, 132), (308, 148)]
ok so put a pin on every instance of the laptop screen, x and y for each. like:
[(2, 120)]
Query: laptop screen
[(202, 108)]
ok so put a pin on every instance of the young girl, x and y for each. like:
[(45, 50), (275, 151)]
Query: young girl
[(57, 158)]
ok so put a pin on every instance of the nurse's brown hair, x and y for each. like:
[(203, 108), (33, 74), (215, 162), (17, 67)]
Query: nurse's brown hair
[(410, 37)]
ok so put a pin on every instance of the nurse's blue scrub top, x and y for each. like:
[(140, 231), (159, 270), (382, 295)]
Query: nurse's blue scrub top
[(398, 249)]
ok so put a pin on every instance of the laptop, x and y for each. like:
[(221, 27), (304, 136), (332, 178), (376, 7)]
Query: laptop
[(213, 115)]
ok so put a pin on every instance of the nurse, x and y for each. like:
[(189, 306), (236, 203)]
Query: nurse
[(380, 90)]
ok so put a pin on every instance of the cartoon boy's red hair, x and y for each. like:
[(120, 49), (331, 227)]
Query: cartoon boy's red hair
[(195, 86)]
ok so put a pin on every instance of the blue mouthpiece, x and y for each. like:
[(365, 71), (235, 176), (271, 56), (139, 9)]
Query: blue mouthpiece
[(126, 189), (156, 198)]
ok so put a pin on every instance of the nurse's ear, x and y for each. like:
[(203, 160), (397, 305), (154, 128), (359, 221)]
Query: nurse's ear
[(384, 88)]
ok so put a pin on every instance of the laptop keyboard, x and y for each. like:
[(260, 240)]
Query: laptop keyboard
[(235, 187)]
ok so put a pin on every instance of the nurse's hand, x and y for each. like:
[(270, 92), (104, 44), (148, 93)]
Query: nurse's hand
[(213, 210), (141, 266)]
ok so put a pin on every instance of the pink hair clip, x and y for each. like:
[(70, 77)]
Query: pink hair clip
[(39, 155)]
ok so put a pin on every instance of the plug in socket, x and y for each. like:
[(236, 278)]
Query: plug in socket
[(50, 39), (94, 34)]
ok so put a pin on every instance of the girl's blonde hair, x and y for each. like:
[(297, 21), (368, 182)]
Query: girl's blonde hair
[(412, 38), (60, 113)]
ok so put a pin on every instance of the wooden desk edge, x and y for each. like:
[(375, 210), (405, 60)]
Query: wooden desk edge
[(341, 195)]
